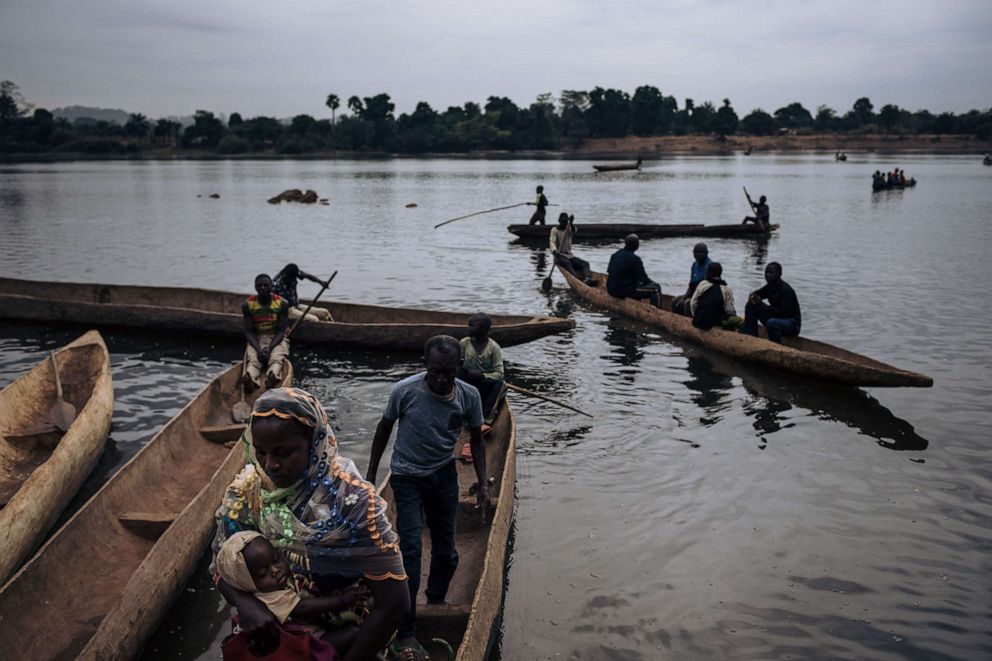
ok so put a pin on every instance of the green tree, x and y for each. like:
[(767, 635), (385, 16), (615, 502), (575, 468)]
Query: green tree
[(726, 120), (235, 120), (333, 102), (12, 104), (137, 126), (355, 106), (703, 118), (609, 113), (794, 116), (206, 130), (758, 122), (888, 117), (862, 111), (574, 104), (825, 118)]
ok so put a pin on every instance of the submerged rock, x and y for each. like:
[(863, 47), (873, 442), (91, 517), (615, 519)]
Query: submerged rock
[(295, 195)]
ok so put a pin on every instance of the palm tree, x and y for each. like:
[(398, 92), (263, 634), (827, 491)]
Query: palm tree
[(137, 126), (355, 105), (333, 102)]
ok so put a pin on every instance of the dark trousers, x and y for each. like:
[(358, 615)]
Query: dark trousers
[(489, 391), (775, 327), (432, 500), (538, 217), (577, 267), (649, 290)]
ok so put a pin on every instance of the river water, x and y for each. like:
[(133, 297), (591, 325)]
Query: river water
[(709, 510)]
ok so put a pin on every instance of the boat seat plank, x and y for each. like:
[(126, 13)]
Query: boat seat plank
[(148, 525), (45, 436), (223, 434)]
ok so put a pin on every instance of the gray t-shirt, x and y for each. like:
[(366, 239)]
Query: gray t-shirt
[(428, 426)]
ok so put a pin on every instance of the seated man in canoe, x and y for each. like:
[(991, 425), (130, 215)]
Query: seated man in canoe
[(626, 277), (762, 214), (431, 408), (542, 207), (331, 524), (781, 316), (482, 366), (560, 242), (712, 303), (697, 273), (284, 284), (265, 320)]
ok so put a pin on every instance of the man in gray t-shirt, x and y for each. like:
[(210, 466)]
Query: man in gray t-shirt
[(431, 408)]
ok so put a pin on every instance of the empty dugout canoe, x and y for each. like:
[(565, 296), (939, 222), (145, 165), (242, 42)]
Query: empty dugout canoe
[(210, 312), (99, 586), (799, 356), (42, 468)]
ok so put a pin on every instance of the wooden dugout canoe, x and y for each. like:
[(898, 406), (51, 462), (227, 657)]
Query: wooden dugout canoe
[(41, 468), (210, 312), (619, 167), (799, 356), (98, 587), (587, 232), (475, 597)]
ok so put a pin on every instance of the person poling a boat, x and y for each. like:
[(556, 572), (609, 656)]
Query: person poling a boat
[(560, 242), (265, 320), (431, 408), (626, 277), (248, 561), (712, 303), (697, 273), (284, 284), (781, 316), (542, 205), (482, 366), (762, 214), (330, 523)]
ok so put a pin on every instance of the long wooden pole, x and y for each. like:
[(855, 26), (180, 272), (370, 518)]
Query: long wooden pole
[(479, 213), (322, 290), (531, 393)]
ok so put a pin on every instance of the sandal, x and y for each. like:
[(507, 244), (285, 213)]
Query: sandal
[(418, 653)]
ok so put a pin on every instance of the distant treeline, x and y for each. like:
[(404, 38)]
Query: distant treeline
[(500, 124)]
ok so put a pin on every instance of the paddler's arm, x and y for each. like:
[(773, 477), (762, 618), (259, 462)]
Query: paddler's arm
[(249, 328), (281, 328), (479, 461), (392, 602), (379, 441)]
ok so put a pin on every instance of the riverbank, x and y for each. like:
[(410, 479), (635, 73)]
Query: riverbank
[(629, 147)]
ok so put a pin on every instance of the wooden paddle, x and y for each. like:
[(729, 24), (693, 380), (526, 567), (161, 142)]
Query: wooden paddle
[(322, 290), (479, 213), (62, 412), (531, 393), (241, 411)]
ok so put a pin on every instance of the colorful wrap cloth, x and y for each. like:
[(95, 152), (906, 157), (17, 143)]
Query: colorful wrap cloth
[(330, 523)]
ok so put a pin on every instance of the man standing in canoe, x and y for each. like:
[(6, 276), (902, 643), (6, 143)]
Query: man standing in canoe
[(781, 317), (626, 277), (560, 242), (431, 407), (265, 320), (284, 285), (762, 215), (542, 205), (697, 273)]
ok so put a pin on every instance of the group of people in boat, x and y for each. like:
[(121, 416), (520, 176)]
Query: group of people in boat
[(894, 179), (708, 299), (304, 548)]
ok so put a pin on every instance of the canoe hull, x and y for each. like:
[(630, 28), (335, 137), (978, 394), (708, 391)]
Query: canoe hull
[(476, 594), (29, 513), (798, 356), (208, 312), (121, 560), (617, 231)]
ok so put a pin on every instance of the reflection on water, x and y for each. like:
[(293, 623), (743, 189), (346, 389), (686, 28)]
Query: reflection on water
[(708, 510)]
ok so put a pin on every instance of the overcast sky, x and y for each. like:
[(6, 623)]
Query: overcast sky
[(283, 58)]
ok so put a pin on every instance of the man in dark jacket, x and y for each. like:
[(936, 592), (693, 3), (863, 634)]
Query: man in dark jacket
[(781, 316), (626, 277)]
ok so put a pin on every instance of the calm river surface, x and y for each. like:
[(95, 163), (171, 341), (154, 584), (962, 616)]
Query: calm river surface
[(708, 511)]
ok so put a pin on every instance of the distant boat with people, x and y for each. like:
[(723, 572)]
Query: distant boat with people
[(892, 180), (840, 156)]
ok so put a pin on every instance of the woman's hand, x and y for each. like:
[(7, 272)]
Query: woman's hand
[(353, 598)]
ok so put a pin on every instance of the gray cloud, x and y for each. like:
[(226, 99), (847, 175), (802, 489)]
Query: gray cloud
[(283, 58)]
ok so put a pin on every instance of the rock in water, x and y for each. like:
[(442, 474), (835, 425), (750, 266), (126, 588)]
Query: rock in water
[(215, 196), (310, 197), (289, 195), (411, 205)]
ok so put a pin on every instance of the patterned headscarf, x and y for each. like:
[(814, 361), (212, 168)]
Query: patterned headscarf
[(331, 522)]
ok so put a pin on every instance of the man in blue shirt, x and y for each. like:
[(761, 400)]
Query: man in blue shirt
[(626, 277), (680, 304), (431, 407)]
